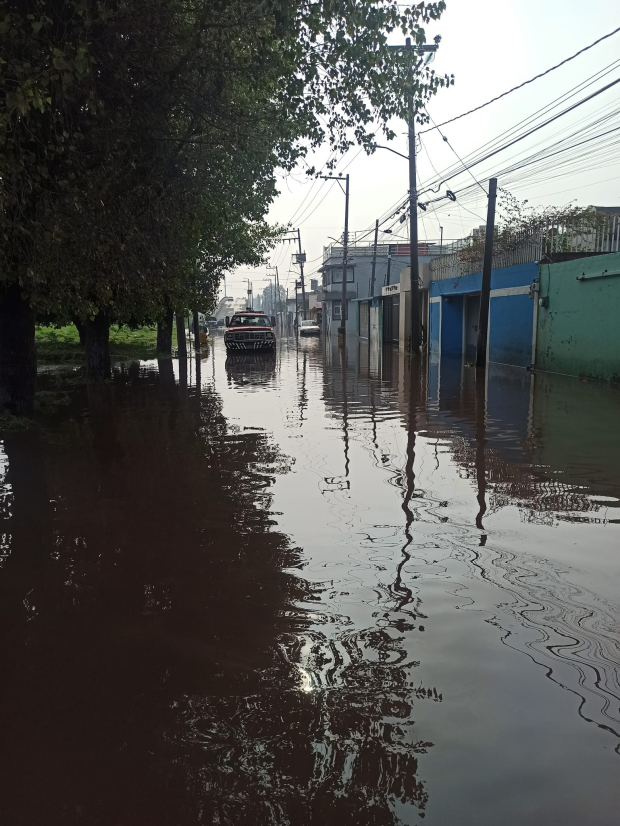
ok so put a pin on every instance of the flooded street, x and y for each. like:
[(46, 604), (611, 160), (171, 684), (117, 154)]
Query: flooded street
[(319, 588)]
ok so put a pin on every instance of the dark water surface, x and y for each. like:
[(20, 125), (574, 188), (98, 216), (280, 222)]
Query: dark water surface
[(312, 590)]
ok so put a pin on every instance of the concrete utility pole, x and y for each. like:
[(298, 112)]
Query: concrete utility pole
[(248, 303), (279, 298), (487, 267), (342, 330), (374, 260), (296, 308), (301, 267), (414, 266)]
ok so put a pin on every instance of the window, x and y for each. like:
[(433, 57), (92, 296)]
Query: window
[(250, 321), (336, 314), (337, 275)]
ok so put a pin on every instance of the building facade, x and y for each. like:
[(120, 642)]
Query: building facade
[(364, 299)]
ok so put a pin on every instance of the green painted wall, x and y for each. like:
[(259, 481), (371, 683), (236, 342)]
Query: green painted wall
[(579, 332)]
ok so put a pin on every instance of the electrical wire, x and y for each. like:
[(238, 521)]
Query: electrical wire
[(525, 83)]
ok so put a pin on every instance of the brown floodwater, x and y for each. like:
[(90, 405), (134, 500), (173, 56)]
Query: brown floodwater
[(319, 588)]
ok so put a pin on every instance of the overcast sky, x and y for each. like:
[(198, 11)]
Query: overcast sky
[(489, 46)]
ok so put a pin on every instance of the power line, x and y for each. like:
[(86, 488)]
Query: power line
[(546, 109), (531, 131), (525, 83)]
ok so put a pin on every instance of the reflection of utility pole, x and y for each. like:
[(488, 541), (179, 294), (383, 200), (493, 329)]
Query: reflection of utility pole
[(345, 416), (303, 398), (403, 593), (481, 440), (345, 251)]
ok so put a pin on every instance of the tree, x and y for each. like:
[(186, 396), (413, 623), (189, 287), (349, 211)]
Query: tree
[(140, 142)]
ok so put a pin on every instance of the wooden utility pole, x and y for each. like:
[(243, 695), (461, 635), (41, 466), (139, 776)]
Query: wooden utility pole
[(374, 260), (487, 267)]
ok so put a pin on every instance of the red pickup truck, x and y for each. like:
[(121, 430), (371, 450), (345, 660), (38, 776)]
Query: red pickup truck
[(251, 330)]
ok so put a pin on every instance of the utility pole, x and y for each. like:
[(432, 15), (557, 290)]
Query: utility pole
[(487, 267), (345, 261), (248, 303), (279, 298), (301, 267), (345, 253), (414, 266), (374, 260), (389, 268), (441, 241), (297, 285)]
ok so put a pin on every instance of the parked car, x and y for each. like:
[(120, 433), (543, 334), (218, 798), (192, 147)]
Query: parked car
[(251, 330), (309, 328)]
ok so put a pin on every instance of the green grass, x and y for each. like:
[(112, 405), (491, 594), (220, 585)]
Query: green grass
[(63, 343)]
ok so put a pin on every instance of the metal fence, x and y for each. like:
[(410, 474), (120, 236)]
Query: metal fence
[(397, 247), (598, 235)]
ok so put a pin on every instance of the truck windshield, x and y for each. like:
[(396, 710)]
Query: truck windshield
[(250, 321), (308, 324)]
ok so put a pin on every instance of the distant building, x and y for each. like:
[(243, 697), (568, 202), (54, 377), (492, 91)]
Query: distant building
[(228, 306), (364, 299)]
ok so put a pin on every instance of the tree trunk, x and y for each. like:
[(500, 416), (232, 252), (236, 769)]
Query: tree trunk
[(196, 325), (98, 348), (164, 334), (181, 340), (18, 355), (81, 331)]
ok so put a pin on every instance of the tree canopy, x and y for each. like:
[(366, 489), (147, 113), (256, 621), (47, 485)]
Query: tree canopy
[(140, 139)]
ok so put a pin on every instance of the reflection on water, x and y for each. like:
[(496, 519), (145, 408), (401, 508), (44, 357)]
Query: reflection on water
[(322, 586)]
